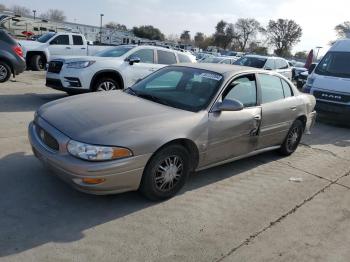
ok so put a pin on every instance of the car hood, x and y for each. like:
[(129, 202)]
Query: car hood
[(118, 119), (68, 59), (26, 44)]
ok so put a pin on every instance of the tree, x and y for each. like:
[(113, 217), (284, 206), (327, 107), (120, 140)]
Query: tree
[(185, 37), (301, 55), (116, 26), (199, 39), (283, 34), (149, 32), (54, 15), (224, 34), (2, 7), (20, 10), (245, 30), (256, 48), (343, 30)]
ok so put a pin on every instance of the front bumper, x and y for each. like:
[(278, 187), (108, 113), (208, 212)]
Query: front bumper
[(333, 108), (120, 175), (56, 84)]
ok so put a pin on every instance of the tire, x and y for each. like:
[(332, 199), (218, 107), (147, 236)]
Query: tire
[(5, 72), (293, 139), (37, 63), (106, 84), (170, 163)]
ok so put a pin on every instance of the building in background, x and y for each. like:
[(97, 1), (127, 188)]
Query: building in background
[(22, 27)]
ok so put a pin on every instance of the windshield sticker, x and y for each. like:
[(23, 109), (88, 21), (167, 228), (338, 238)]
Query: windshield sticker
[(211, 76)]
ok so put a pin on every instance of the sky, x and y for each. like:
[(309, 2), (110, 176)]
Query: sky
[(317, 17)]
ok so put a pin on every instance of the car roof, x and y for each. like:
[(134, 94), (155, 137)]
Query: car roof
[(266, 57), (220, 68), (342, 45)]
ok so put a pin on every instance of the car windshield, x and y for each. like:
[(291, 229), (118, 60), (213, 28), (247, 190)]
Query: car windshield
[(257, 62), (214, 60), (115, 51), (46, 37), (185, 88), (335, 64)]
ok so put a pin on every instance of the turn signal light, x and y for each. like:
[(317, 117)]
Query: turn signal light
[(93, 181)]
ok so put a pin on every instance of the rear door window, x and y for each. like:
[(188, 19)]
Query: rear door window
[(77, 40), (281, 64), (286, 89), (166, 58)]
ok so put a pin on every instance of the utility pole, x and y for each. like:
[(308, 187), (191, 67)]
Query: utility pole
[(34, 12), (101, 15), (318, 50)]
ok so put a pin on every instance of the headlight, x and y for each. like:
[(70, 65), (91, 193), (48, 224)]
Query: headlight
[(80, 64), (97, 153), (310, 81)]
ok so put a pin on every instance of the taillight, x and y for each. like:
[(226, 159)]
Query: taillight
[(18, 50)]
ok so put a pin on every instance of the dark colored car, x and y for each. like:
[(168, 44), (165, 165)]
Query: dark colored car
[(11, 57)]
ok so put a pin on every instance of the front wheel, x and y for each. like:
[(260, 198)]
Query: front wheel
[(106, 84), (166, 173), (293, 138), (5, 72), (37, 63)]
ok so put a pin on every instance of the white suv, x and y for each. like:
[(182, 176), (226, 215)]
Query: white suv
[(277, 64), (114, 68)]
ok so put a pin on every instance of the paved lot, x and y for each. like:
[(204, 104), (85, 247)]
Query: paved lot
[(243, 211)]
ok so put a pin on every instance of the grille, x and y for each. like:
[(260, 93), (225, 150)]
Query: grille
[(332, 96), (47, 139), (55, 67)]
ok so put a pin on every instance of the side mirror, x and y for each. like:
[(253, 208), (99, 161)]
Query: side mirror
[(228, 105), (311, 68), (133, 60), (90, 43)]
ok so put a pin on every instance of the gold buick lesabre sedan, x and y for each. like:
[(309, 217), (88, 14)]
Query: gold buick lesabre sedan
[(180, 119)]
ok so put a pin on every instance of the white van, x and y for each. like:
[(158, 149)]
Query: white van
[(330, 81)]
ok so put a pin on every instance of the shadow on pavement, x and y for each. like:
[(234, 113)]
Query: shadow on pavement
[(26, 102), (37, 208)]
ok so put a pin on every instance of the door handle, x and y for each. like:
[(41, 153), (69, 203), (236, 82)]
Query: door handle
[(83, 48), (68, 47), (293, 108), (257, 118)]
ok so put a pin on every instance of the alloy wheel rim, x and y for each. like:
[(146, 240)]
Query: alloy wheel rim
[(293, 138), (106, 86), (41, 64), (168, 173), (3, 72)]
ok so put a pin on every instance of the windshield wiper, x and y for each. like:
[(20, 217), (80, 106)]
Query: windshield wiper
[(153, 98)]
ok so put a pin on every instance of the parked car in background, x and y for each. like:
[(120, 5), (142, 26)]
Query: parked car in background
[(114, 68), (329, 82), (37, 53), (297, 68), (277, 64), (220, 60), (179, 119), (301, 79), (11, 57)]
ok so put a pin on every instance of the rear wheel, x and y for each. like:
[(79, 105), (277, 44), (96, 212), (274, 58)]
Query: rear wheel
[(166, 173), (37, 63), (106, 84), (5, 72), (293, 138)]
